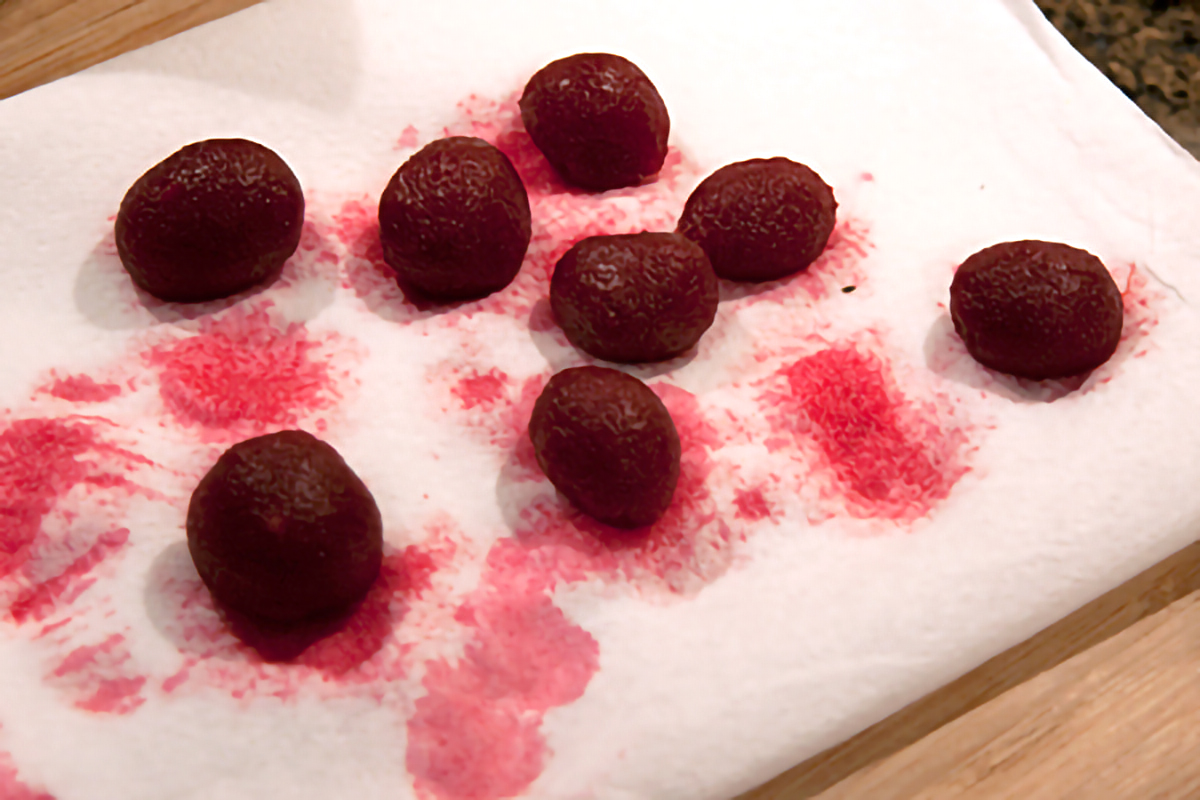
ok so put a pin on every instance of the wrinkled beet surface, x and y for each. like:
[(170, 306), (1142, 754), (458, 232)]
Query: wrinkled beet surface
[(1038, 310), (211, 220), (282, 530), (607, 442), (454, 220), (634, 297), (761, 219), (598, 120)]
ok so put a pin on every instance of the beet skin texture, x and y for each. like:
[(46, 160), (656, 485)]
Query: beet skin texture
[(760, 220), (635, 297), (598, 120), (282, 530), (608, 444), (1037, 310), (213, 219), (454, 220)]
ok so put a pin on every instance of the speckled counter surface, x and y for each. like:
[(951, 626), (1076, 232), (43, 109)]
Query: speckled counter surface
[(1149, 48)]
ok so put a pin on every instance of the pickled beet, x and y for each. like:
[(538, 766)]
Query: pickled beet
[(598, 120), (1037, 310), (454, 220), (608, 444), (211, 220), (282, 530), (634, 297), (760, 220)]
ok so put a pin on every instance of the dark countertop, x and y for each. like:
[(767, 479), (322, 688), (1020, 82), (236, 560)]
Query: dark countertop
[(1149, 48)]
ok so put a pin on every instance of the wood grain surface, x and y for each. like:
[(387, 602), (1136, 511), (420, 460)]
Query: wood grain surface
[(1111, 720), (1120, 721), (42, 40)]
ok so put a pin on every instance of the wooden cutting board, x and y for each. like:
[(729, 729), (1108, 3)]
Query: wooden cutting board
[(1109, 720)]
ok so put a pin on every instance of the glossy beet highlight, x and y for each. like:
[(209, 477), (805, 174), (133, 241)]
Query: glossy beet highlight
[(211, 220)]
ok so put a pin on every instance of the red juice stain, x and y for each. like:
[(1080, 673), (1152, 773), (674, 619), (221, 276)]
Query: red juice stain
[(12, 787), (1140, 302), (81, 389), (481, 389), (476, 733), (99, 677), (41, 460), (315, 257), (241, 374), (890, 455), (409, 138), (40, 600), (751, 504)]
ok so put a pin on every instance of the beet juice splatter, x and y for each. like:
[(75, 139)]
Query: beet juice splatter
[(891, 457), (240, 374), (81, 389), (41, 460), (11, 785), (476, 732), (45, 569)]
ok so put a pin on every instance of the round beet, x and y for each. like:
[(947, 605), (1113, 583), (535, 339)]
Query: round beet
[(634, 297), (608, 444), (760, 220), (1038, 310), (454, 220), (216, 217), (281, 529), (598, 120)]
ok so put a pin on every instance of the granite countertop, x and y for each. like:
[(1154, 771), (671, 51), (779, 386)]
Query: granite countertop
[(1148, 48)]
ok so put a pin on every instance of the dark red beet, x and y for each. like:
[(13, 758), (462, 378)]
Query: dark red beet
[(634, 297), (281, 530), (760, 220), (1038, 310), (454, 220), (598, 120), (214, 218), (608, 444)]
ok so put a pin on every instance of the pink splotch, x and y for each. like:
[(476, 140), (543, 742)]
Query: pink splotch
[(892, 457), (41, 460), (11, 785), (476, 732), (240, 374), (81, 389), (100, 677)]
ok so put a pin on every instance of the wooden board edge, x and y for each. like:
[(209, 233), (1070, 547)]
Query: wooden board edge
[(1143, 595)]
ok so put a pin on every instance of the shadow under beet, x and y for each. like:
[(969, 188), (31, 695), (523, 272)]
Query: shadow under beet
[(947, 356), (182, 610)]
